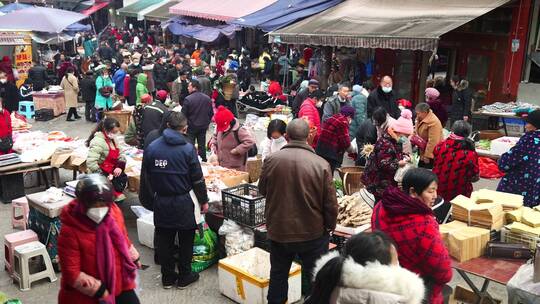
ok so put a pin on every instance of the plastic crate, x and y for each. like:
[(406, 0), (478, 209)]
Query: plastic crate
[(11, 187), (530, 240), (244, 205)]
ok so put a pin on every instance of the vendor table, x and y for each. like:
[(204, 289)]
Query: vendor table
[(12, 181), (500, 115), (496, 270), (53, 101), (44, 219)]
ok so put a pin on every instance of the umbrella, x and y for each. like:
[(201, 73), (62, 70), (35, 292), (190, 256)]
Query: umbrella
[(41, 19), (51, 38), (78, 27), (8, 8)]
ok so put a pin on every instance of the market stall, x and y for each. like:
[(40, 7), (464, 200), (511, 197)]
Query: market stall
[(510, 115), (50, 100)]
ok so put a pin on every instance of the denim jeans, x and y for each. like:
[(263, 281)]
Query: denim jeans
[(281, 258)]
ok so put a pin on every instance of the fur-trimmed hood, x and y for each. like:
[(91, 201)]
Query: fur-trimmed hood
[(374, 283)]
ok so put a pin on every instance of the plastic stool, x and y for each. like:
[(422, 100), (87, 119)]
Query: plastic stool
[(27, 109), (22, 256), (19, 212), (13, 240)]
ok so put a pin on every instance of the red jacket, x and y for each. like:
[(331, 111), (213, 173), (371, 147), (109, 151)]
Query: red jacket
[(412, 226), (77, 253), (456, 166), (5, 126), (309, 110)]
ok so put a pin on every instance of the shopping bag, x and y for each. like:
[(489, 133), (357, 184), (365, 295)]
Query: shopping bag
[(205, 250)]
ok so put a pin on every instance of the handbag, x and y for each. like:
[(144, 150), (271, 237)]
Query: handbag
[(105, 91), (418, 141), (253, 151), (6, 143), (508, 250), (120, 183)]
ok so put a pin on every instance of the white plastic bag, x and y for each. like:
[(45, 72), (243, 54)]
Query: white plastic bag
[(237, 238)]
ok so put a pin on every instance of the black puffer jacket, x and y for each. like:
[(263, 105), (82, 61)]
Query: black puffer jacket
[(88, 89), (160, 76), (461, 101), (378, 98), (38, 77)]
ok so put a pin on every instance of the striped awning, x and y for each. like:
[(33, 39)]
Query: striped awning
[(134, 9), (411, 25), (221, 10), (161, 13)]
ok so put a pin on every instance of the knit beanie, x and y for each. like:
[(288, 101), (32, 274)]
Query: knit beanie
[(347, 111), (534, 118), (404, 124), (357, 88), (432, 93), (223, 118), (146, 98), (161, 95)]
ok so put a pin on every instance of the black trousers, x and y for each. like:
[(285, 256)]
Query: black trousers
[(199, 135), (165, 245), (88, 111), (72, 112), (281, 258), (127, 297)]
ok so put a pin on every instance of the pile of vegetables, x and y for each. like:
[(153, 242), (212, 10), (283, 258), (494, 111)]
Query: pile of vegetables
[(353, 211), (484, 144)]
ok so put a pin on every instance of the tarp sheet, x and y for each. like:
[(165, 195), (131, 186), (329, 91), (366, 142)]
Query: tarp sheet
[(8, 8), (407, 24), (284, 12), (94, 8), (182, 27), (221, 10), (41, 19)]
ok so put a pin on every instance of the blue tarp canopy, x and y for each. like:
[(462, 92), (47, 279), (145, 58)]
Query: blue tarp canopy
[(283, 12), (182, 27), (8, 8)]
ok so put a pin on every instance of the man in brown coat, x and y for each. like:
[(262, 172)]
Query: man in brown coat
[(301, 207)]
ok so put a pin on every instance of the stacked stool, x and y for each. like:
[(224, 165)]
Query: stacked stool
[(27, 109), (21, 260), (19, 213), (13, 240)]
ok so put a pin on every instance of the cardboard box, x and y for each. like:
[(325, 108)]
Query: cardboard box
[(467, 243), (448, 228), (60, 158), (134, 183), (244, 278)]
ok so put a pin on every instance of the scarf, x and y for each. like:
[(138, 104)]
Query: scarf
[(109, 237), (397, 202)]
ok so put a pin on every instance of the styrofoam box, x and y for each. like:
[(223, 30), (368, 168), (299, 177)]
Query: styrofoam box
[(244, 278), (502, 145), (145, 230)]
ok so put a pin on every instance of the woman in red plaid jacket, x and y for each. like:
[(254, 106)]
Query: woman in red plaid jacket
[(406, 216)]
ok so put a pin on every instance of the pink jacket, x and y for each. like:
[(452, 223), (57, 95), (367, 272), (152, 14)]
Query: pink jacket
[(224, 142), (309, 111)]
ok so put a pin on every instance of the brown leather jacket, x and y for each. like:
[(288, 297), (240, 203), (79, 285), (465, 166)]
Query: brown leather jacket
[(301, 202)]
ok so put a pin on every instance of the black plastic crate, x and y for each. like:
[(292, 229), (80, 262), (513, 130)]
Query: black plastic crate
[(244, 210), (44, 114), (11, 187)]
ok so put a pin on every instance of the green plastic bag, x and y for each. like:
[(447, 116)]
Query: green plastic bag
[(205, 251)]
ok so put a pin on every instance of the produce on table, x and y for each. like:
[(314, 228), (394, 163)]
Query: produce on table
[(484, 144), (353, 211)]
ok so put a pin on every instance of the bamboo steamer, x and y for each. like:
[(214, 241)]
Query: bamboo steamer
[(351, 177)]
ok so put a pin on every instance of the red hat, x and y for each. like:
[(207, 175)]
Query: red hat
[(146, 98), (223, 118), (161, 95)]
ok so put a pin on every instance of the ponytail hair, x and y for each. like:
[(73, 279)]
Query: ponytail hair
[(326, 280), (105, 125)]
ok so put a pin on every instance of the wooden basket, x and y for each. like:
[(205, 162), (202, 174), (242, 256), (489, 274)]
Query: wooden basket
[(351, 177), (123, 118), (228, 90)]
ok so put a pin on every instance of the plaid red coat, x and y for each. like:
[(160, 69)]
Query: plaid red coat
[(456, 166), (334, 139), (412, 226)]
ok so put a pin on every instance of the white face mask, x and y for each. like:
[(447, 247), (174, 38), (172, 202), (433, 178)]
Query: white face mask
[(279, 140), (387, 89), (97, 214), (319, 104), (3, 80)]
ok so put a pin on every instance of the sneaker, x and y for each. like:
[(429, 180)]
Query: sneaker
[(168, 285), (185, 281)]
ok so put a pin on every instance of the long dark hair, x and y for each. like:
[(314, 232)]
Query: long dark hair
[(276, 125), (362, 248), (105, 125)]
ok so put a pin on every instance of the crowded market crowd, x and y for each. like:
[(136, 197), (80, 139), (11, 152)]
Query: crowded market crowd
[(177, 93)]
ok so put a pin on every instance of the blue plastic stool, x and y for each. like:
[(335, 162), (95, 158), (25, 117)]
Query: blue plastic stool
[(26, 108)]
